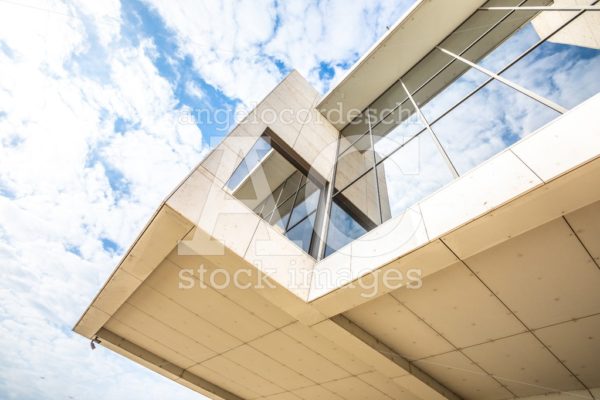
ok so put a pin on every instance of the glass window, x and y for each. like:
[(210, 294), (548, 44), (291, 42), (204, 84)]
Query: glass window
[(291, 186), (425, 69), (343, 228), (411, 174), (268, 183), (302, 232), (437, 97), (260, 149), (507, 51), (489, 121), (473, 115), (354, 210), (396, 129), (353, 162), (566, 67), (391, 99), (306, 202), (281, 214), (473, 36), (353, 131), (266, 207)]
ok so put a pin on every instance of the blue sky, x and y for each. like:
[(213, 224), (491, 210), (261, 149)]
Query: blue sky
[(104, 107)]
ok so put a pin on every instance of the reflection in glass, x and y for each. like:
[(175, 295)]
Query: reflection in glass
[(355, 129), (411, 174), (354, 210), (291, 186), (306, 202), (268, 204), (445, 97), (429, 66), (302, 233), (394, 130), (343, 228), (280, 216), (356, 160), (510, 49), (260, 149), (387, 103), (565, 68), (489, 121)]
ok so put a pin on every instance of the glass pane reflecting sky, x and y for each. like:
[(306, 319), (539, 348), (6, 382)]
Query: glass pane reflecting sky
[(306, 202), (563, 69), (396, 129), (456, 91), (302, 233), (343, 229), (356, 160), (489, 121), (254, 156), (510, 49), (411, 174)]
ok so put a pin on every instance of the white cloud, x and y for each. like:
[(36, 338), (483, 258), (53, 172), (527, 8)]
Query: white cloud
[(234, 44), (59, 152), (194, 90), (71, 180)]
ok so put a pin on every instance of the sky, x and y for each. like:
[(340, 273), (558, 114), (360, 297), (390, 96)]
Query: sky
[(104, 107)]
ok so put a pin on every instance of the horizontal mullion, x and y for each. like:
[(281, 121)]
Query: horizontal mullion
[(379, 162)]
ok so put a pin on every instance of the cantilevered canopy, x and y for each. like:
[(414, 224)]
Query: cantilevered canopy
[(425, 25)]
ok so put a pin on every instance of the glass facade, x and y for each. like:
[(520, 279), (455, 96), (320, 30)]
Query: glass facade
[(504, 73), (278, 192), (501, 75)]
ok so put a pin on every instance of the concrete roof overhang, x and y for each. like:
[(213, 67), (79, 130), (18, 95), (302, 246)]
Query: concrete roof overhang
[(421, 28), (188, 335)]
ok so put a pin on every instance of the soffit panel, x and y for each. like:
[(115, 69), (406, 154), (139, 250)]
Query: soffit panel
[(352, 388), (300, 358), (179, 358), (389, 321), (250, 300), (465, 378), (316, 392), (243, 376), (328, 349), (224, 381), (586, 224), (386, 385), (282, 396), (267, 367), (162, 333), (545, 275), (208, 304), (458, 306), (174, 315), (577, 344), (524, 365)]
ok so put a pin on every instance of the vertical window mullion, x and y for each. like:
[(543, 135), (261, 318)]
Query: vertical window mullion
[(325, 218), (377, 199)]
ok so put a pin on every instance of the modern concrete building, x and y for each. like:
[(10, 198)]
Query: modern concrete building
[(428, 229)]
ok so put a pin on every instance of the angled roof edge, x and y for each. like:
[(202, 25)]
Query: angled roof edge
[(412, 37)]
